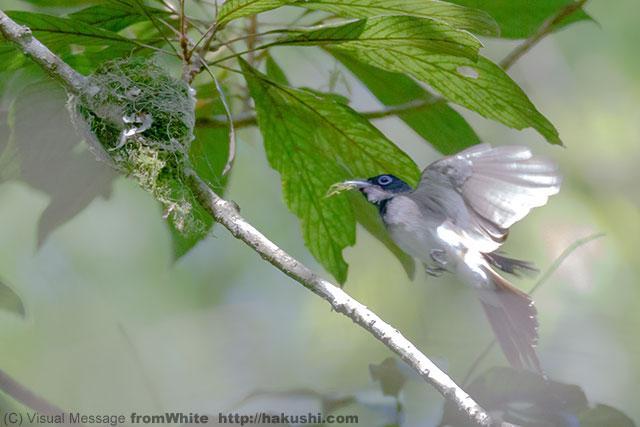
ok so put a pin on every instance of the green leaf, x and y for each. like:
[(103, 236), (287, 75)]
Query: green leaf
[(10, 301), (605, 415), (234, 9), (274, 72), (521, 18), (479, 85), (442, 126), (208, 155), (43, 152), (474, 20), (409, 34), (114, 15), (365, 214), (390, 376), (314, 142)]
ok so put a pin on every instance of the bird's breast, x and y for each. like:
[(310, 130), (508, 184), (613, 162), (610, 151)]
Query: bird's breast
[(411, 229)]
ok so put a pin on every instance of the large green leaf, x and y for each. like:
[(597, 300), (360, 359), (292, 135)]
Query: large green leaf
[(464, 18), (208, 155), (234, 9), (442, 126), (116, 15), (409, 34), (365, 214), (42, 151), (314, 142), (479, 85), (521, 18), (10, 301)]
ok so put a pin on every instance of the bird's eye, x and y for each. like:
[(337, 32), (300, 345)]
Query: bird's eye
[(385, 180)]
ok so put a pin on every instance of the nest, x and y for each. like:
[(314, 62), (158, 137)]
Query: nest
[(139, 119)]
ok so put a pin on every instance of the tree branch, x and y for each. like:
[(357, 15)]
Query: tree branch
[(545, 29), (226, 213), (40, 54), (28, 398)]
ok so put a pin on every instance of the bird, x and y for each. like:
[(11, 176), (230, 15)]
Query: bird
[(456, 219)]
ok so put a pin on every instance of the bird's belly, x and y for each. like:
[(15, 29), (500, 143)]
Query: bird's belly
[(417, 241), (412, 230)]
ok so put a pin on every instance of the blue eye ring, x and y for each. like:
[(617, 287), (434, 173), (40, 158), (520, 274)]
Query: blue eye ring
[(385, 180)]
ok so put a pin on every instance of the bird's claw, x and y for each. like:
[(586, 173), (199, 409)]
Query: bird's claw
[(434, 271), (439, 257)]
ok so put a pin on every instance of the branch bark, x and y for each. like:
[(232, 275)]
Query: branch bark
[(546, 28), (226, 213), (28, 398)]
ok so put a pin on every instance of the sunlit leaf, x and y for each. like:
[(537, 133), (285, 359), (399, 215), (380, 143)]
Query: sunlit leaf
[(114, 15), (315, 142), (479, 85), (365, 214), (442, 126), (234, 9), (474, 20), (521, 18), (10, 301), (407, 34)]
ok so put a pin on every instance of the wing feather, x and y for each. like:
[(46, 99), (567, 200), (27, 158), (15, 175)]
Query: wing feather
[(485, 189)]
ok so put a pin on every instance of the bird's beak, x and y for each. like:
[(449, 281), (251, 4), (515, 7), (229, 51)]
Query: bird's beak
[(359, 184)]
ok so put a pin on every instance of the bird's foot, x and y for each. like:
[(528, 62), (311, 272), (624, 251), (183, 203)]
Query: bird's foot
[(439, 257), (434, 271)]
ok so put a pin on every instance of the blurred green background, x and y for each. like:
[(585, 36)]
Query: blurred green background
[(113, 326)]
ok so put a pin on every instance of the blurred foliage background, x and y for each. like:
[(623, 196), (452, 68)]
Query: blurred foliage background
[(114, 326)]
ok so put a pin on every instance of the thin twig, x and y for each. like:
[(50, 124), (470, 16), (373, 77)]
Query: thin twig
[(21, 394), (546, 28), (184, 41), (232, 132), (226, 213), (545, 276), (247, 119)]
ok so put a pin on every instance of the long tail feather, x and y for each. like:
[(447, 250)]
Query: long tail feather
[(511, 265), (513, 318)]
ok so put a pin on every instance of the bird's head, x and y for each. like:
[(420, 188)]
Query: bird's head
[(380, 188)]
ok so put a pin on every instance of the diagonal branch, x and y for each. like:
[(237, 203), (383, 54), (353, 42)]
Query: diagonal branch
[(546, 28), (28, 398), (226, 213)]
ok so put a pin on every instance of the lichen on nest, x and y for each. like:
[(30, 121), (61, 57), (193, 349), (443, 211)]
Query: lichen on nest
[(140, 119)]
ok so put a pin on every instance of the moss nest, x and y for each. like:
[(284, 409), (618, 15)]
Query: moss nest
[(140, 119)]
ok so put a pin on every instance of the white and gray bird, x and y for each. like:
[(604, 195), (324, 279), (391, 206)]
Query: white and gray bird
[(458, 217)]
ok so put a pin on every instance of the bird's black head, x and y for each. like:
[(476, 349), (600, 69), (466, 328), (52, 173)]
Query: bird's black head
[(380, 189), (389, 183)]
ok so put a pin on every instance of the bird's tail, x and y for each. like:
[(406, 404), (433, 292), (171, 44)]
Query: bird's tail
[(513, 318)]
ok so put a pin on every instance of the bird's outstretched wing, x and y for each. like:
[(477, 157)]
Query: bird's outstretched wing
[(485, 190)]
